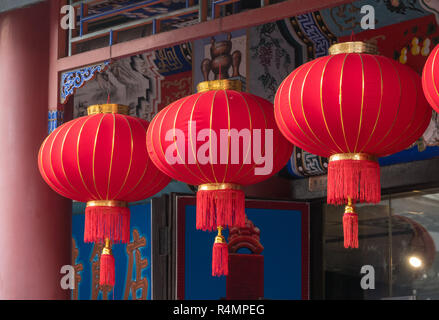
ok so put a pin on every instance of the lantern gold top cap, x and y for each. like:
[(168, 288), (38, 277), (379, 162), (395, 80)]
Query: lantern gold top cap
[(108, 108), (353, 47), (224, 84)]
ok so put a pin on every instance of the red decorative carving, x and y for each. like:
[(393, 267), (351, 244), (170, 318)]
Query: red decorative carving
[(247, 237), (175, 87)]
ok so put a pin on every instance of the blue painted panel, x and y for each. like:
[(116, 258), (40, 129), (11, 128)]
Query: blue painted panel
[(174, 59), (409, 155), (199, 283), (281, 237), (313, 167)]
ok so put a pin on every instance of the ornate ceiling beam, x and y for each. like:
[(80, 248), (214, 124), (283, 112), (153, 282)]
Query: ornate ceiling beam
[(202, 30)]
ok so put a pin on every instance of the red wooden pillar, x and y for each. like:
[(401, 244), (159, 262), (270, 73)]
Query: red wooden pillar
[(35, 223)]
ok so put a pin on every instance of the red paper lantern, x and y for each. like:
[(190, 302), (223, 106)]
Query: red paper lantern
[(430, 79), (101, 159), (352, 106), (214, 139)]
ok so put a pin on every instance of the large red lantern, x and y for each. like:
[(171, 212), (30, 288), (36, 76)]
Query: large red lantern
[(352, 106), (218, 139), (430, 79), (101, 159)]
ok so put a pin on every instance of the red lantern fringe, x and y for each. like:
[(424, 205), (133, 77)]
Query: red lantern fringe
[(350, 229), (220, 208), (107, 270), (357, 179), (220, 260), (107, 222)]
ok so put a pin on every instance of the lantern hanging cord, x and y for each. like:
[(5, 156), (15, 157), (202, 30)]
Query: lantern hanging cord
[(353, 22), (109, 64)]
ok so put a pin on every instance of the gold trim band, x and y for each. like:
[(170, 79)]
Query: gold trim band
[(218, 186), (353, 47), (225, 84), (107, 203), (108, 108), (353, 156)]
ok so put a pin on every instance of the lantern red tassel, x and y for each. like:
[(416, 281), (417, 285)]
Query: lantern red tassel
[(350, 226), (356, 175), (107, 266), (220, 205), (220, 256), (110, 221)]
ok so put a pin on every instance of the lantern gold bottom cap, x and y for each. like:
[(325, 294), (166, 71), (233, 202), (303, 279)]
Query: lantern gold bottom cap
[(353, 156), (218, 186), (107, 203)]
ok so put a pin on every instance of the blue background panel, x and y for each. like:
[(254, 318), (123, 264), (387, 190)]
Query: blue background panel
[(281, 236)]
